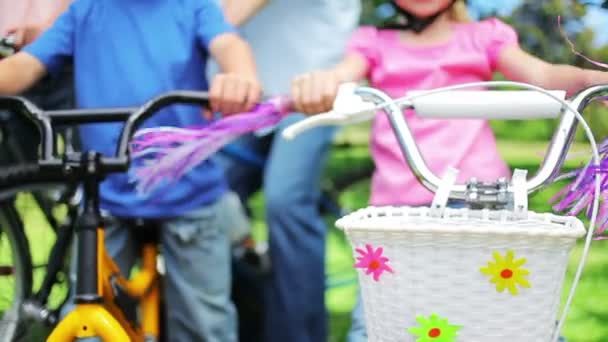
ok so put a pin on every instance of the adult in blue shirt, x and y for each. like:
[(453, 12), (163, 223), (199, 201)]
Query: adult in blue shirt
[(289, 38), (124, 53)]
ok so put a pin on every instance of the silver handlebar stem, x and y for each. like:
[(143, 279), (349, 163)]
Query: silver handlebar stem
[(408, 145)]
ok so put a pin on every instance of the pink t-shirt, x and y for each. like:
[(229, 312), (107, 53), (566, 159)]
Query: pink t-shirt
[(20, 12), (470, 55)]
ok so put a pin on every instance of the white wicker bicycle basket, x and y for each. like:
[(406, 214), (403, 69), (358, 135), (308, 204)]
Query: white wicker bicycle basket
[(468, 275)]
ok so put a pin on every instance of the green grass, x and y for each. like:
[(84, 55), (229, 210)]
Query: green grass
[(587, 319)]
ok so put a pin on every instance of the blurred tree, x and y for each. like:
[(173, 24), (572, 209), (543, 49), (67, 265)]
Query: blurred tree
[(536, 21), (374, 12)]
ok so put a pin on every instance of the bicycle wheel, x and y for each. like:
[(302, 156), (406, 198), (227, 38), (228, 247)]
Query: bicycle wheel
[(15, 271)]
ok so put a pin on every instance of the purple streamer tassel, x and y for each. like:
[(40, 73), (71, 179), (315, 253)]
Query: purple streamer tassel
[(578, 196), (162, 155)]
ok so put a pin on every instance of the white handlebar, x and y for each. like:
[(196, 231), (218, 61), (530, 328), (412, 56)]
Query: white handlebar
[(355, 104), (350, 108), (487, 104)]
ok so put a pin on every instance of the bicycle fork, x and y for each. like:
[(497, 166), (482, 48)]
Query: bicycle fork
[(97, 313)]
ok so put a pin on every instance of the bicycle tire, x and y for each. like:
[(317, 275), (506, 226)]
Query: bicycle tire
[(13, 236)]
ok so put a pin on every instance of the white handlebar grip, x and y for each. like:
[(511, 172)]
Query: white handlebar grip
[(310, 122), (348, 108), (487, 104)]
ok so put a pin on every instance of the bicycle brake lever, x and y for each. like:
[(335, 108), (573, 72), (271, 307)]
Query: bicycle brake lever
[(349, 108)]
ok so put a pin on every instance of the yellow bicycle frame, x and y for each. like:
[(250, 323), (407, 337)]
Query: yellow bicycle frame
[(105, 319)]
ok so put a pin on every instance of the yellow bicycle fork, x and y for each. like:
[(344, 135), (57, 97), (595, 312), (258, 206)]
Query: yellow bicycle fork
[(96, 313)]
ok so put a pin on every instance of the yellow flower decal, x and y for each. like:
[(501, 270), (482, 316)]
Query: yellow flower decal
[(507, 272)]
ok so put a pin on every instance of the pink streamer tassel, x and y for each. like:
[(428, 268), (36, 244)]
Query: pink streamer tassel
[(163, 155)]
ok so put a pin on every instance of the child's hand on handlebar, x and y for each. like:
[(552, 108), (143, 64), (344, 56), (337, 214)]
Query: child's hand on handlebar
[(233, 93), (315, 92)]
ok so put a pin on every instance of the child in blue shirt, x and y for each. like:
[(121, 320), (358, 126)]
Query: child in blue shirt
[(125, 52)]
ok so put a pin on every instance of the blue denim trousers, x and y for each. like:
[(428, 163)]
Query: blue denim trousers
[(294, 293), (197, 282)]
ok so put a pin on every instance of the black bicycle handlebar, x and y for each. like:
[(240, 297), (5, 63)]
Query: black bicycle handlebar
[(51, 168), (133, 117), (19, 177), (154, 105)]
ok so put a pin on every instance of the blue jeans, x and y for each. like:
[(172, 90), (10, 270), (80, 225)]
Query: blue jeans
[(294, 304), (196, 251)]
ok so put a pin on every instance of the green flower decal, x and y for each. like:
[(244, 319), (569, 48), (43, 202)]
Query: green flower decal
[(434, 329)]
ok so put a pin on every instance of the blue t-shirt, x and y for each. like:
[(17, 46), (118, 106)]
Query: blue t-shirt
[(126, 52)]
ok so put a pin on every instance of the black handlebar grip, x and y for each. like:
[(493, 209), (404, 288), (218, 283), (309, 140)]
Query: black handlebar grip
[(19, 175)]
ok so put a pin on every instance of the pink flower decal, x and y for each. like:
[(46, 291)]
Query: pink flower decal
[(373, 261)]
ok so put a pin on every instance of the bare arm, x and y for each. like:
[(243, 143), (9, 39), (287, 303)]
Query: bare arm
[(233, 55), (238, 12), (353, 68), (518, 65), (315, 92), (239, 78), (19, 72)]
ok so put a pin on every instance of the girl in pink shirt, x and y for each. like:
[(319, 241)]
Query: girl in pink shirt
[(437, 46)]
